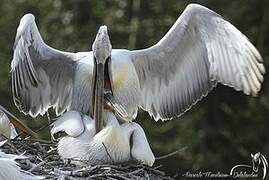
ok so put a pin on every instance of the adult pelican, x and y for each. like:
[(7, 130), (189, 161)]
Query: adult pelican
[(200, 50), (115, 143)]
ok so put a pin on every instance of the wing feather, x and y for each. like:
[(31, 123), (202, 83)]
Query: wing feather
[(199, 50), (43, 77)]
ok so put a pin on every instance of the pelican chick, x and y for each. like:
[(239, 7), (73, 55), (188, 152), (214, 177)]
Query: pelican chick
[(115, 143)]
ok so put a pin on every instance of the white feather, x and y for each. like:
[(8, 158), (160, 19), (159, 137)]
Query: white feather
[(10, 169), (199, 50), (111, 145), (167, 79), (7, 129)]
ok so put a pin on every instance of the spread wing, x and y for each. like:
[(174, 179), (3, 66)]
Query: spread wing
[(199, 50), (43, 77)]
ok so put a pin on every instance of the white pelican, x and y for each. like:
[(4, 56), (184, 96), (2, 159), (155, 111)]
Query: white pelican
[(7, 123), (10, 169), (200, 50), (115, 143)]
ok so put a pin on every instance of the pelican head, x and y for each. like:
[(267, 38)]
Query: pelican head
[(102, 47), (101, 79)]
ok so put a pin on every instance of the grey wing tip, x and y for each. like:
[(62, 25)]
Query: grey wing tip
[(25, 21), (28, 17), (197, 7), (194, 7)]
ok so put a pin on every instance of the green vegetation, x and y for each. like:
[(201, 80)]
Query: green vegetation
[(220, 131)]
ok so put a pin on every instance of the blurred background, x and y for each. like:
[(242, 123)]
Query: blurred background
[(220, 131)]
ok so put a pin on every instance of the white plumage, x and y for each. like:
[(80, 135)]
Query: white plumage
[(165, 80), (200, 50), (7, 130), (10, 169), (115, 143)]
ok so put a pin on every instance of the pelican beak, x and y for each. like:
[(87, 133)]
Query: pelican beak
[(18, 124), (102, 55), (98, 95)]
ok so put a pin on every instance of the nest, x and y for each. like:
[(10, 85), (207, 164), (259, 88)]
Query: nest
[(43, 160)]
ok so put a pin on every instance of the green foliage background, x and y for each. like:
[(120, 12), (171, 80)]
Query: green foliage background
[(220, 131)]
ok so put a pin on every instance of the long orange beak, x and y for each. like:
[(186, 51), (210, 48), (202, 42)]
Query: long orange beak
[(18, 124)]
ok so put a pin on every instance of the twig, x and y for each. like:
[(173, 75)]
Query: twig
[(50, 122), (42, 141), (157, 167), (43, 127), (37, 166), (11, 145), (171, 154), (108, 153)]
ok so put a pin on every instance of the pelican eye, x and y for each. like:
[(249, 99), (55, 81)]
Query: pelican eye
[(59, 135)]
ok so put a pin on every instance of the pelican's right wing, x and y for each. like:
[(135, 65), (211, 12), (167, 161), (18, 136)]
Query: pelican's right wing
[(199, 50), (43, 77)]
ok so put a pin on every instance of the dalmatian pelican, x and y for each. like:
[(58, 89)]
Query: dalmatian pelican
[(200, 50), (166, 79), (115, 143)]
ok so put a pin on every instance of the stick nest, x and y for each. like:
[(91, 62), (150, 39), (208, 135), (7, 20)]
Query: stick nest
[(43, 160)]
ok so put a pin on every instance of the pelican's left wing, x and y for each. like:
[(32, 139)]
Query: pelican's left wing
[(43, 77), (200, 50)]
